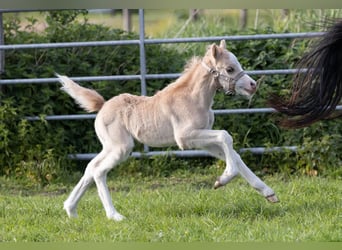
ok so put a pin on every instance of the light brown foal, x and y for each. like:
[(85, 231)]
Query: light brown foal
[(180, 114)]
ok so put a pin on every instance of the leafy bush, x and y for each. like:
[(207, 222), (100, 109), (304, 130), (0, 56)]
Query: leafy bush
[(31, 152)]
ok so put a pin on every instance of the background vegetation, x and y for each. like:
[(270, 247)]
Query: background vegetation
[(36, 152)]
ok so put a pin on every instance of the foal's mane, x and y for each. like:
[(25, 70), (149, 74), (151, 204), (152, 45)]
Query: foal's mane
[(183, 82), (192, 63)]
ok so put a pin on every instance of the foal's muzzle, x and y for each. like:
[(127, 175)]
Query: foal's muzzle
[(231, 82), (227, 80)]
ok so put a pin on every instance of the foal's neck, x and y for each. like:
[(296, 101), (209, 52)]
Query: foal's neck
[(195, 85), (201, 85)]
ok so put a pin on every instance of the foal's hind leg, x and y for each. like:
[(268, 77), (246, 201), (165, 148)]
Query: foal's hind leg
[(117, 143), (97, 171), (114, 157), (70, 205)]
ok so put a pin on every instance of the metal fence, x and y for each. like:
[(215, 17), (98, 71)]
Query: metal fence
[(143, 76)]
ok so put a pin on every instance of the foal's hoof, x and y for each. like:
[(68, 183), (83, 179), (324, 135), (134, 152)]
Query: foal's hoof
[(72, 213), (116, 217), (223, 180), (217, 184), (272, 198)]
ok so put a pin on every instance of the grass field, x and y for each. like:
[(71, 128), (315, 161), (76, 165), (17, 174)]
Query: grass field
[(181, 208)]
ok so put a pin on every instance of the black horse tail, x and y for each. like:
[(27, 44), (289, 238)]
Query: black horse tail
[(317, 86)]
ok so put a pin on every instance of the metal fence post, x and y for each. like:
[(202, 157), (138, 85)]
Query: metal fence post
[(2, 52), (2, 42), (142, 51), (142, 57)]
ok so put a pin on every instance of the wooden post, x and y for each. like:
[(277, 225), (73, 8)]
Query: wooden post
[(284, 13), (243, 18), (193, 13), (127, 20)]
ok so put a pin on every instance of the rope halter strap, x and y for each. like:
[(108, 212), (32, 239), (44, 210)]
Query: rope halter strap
[(230, 80)]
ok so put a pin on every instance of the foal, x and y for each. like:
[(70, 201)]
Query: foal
[(180, 114)]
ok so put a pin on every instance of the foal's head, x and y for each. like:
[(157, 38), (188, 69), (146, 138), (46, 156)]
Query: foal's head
[(227, 71)]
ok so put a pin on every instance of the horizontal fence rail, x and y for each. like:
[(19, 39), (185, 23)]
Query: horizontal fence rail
[(143, 76), (160, 41), (191, 153), (216, 112), (133, 77)]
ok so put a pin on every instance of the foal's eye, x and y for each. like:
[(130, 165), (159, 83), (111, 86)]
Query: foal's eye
[(230, 69)]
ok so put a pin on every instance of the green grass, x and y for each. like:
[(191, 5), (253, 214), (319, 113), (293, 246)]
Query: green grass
[(179, 208)]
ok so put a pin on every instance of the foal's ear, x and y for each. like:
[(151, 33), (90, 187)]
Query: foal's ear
[(214, 50), (223, 44)]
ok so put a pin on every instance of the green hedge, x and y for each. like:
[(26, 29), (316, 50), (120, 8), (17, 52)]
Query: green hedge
[(37, 151)]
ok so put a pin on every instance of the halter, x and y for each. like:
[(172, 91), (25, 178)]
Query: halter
[(217, 74)]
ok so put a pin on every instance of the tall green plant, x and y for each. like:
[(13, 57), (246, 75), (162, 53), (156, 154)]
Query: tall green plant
[(30, 152)]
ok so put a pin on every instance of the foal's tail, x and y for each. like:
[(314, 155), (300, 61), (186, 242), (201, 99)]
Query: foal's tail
[(315, 93), (88, 99)]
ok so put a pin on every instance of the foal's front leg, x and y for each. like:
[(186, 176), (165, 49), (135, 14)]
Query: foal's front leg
[(254, 181), (220, 143)]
